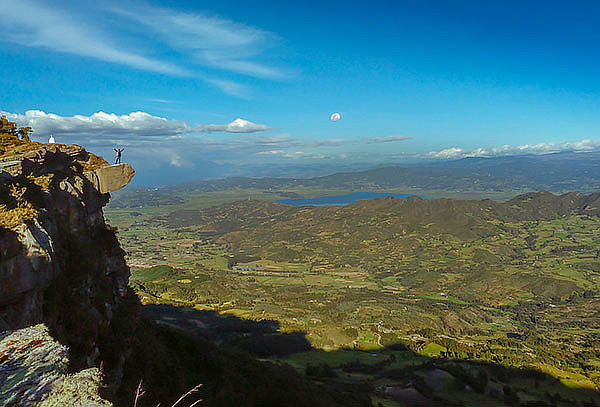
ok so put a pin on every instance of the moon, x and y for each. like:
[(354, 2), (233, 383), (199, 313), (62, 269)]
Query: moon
[(335, 117)]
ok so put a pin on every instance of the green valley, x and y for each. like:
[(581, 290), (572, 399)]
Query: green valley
[(480, 285)]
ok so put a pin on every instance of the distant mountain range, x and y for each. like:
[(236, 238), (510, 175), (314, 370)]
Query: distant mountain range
[(558, 173), (554, 172), (465, 219), (569, 170)]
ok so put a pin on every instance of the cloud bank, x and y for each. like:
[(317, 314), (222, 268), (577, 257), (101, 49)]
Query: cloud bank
[(390, 139), (109, 124), (540, 148)]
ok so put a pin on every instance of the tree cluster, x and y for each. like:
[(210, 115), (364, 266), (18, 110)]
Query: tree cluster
[(11, 135)]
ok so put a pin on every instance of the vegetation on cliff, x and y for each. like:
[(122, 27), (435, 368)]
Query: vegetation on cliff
[(11, 135), (15, 209)]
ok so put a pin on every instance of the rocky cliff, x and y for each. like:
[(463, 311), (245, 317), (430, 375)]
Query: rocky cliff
[(61, 266), (71, 331)]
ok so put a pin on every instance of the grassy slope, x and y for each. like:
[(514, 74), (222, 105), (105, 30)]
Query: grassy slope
[(458, 278)]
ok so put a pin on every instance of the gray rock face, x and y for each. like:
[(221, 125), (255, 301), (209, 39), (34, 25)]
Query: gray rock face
[(65, 268), (110, 178), (34, 372), (26, 271)]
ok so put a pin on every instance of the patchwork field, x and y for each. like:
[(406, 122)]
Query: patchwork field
[(483, 286)]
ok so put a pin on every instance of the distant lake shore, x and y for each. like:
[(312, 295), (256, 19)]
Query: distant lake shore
[(341, 200)]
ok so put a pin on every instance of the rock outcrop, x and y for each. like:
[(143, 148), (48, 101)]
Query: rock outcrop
[(50, 158), (60, 264), (71, 330), (34, 371), (110, 178)]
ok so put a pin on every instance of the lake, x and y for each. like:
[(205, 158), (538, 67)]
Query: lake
[(340, 200)]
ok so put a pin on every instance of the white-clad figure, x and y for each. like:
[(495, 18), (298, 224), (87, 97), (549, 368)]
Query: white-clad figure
[(51, 140)]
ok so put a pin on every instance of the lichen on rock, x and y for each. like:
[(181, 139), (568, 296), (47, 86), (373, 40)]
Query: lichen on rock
[(34, 372)]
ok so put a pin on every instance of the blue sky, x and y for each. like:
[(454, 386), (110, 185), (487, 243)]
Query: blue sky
[(412, 79)]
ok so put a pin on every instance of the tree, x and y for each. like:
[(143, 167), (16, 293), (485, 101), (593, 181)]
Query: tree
[(24, 133), (11, 135), (6, 126)]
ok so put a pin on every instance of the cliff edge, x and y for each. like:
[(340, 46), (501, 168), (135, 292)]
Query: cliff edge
[(71, 330), (61, 266)]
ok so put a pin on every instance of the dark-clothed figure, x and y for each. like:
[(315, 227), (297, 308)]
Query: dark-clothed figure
[(119, 152)]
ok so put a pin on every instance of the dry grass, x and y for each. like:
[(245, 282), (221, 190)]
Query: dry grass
[(12, 147), (9, 142), (43, 181), (183, 397), (15, 209), (140, 392), (10, 218), (94, 162)]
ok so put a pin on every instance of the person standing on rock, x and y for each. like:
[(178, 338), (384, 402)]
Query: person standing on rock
[(119, 152)]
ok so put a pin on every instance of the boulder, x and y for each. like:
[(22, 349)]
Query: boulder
[(110, 178), (34, 371)]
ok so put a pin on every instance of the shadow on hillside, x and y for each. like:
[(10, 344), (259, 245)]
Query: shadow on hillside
[(172, 356), (260, 338), (394, 373)]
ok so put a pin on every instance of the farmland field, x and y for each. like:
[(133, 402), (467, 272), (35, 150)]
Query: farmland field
[(473, 284)]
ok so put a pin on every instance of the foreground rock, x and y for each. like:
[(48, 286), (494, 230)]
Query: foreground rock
[(34, 371), (61, 265), (110, 178)]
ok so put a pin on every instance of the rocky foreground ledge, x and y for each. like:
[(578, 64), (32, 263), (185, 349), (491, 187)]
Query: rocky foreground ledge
[(34, 371), (53, 158), (71, 330), (61, 266)]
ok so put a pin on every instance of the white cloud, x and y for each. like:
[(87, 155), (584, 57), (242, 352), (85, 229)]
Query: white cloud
[(273, 142), (229, 87), (194, 39), (297, 155), (162, 101), (329, 142), (175, 159), (236, 126), (379, 140), (187, 151), (540, 148), (35, 24), (110, 124), (451, 152), (211, 41)]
